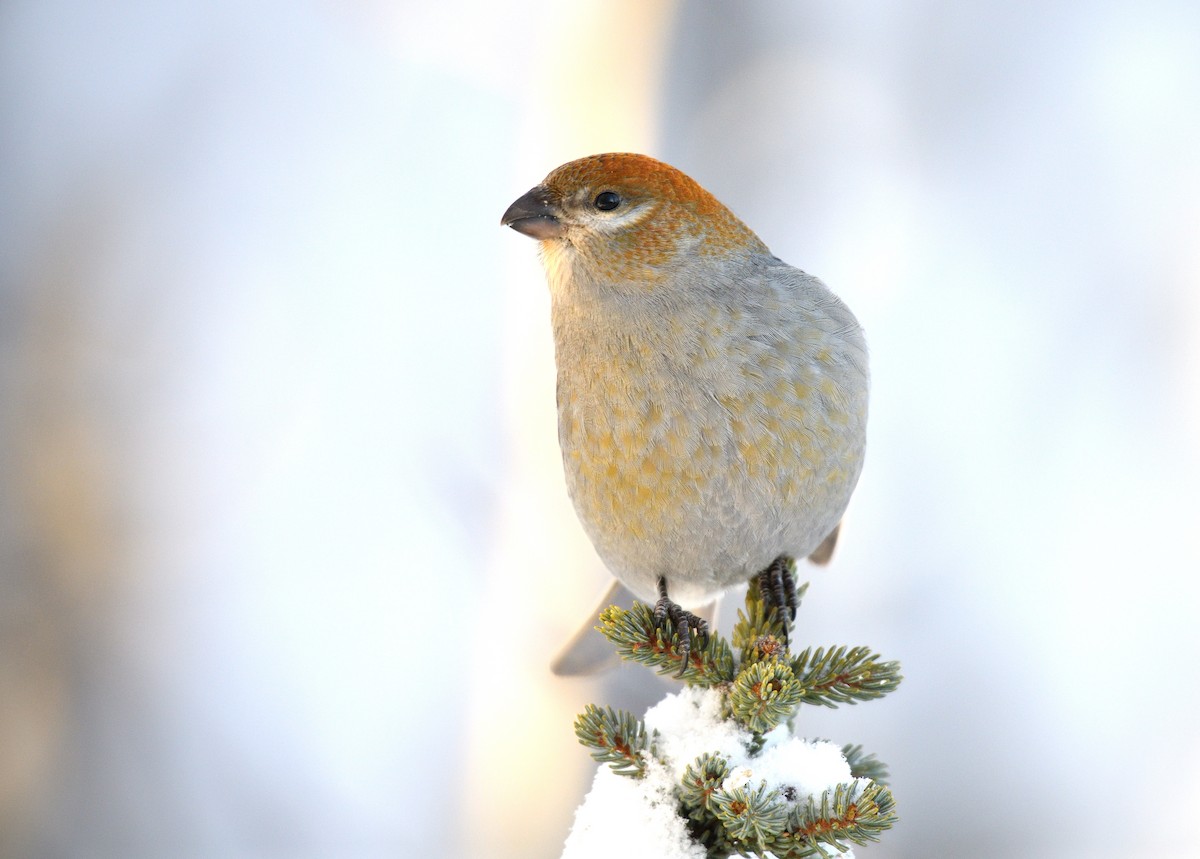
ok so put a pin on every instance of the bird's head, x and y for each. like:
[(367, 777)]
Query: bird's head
[(621, 217)]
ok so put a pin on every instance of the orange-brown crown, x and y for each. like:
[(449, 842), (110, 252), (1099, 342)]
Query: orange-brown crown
[(681, 212), (628, 170)]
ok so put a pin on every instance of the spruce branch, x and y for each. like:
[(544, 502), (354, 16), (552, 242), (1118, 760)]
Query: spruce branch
[(855, 812), (764, 695), (842, 675), (616, 737), (752, 818), (760, 634), (757, 692), (865, 766), (638, 639), (700, 780)]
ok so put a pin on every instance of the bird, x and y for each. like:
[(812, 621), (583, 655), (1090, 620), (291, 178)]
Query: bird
[(712, 399)]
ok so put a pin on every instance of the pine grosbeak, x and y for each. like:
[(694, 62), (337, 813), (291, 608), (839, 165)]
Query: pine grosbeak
[(712, 400)]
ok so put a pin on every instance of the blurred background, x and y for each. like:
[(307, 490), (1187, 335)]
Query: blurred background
[(284, 544)]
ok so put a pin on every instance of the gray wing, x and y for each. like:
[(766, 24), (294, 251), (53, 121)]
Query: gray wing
[(824, 552)]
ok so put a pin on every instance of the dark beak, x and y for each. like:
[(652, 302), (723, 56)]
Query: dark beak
[(535, 215)]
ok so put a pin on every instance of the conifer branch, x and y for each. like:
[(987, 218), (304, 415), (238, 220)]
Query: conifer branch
[(842, 675), (750, 817), (616, 738), (759, 691), (638, 639), (764, 695), (865, 766), (855, 812), (700, 780), (757, 634)]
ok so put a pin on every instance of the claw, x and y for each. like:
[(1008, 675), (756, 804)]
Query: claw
[(778, 590), (683, 621)]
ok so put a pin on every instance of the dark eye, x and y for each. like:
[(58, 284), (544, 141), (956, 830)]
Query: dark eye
[(606, 201)]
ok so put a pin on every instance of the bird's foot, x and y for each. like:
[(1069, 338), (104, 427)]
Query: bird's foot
[(778, 590), (685, 623)]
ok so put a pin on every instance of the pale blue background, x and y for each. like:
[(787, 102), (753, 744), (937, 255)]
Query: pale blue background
[(274, 382)]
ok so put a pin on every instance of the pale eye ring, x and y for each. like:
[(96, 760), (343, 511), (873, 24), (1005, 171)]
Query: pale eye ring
[(606, 201)]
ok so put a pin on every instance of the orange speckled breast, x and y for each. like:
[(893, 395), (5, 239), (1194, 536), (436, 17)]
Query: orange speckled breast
[(702, 458)]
